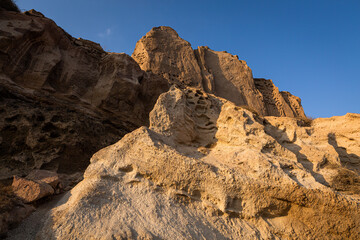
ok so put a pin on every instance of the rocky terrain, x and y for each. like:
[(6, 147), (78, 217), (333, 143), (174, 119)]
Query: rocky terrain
[(221, 156), (163, 52), (207, 169)]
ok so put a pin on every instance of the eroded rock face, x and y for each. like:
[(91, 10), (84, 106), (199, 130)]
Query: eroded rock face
[(229, 78), (37, 54), (282, 104), (218, 172), (163, 52), (62, 98)]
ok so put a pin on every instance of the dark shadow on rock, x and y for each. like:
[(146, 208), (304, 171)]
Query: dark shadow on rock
[(301, 158), (347, 160)]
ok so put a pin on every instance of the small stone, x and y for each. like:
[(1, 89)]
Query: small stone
[(29, 190)]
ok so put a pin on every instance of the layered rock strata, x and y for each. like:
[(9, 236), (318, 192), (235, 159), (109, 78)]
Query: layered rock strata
[(163, 52), (207, 169)]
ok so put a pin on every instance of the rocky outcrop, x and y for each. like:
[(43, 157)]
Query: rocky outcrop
[(163, 52), (282, 104), (230, 78), (208, 169), (37, 54), (62, 98)]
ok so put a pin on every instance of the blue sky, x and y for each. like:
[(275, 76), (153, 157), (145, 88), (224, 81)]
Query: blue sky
[(310, 48)]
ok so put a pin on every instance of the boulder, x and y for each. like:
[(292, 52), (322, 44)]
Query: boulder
[(29, 190)]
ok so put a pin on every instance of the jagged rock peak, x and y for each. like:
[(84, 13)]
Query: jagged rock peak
[(163, 52)]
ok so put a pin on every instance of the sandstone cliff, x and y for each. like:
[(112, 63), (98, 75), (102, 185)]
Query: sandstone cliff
[(163, 52), (207, 169), (62, 98)]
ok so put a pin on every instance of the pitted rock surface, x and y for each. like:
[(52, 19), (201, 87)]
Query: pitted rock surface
[(244, 177)]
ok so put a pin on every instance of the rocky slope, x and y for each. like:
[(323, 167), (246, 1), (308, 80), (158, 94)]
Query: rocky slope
[(163, 52), (207, 169)]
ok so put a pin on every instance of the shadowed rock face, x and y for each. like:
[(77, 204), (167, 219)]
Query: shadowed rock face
[(207, 169), (163, 52), (62, 98)]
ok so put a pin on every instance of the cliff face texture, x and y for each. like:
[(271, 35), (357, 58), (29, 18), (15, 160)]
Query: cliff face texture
[(163, 52), (207, 169), (62, 99), (220, 155)]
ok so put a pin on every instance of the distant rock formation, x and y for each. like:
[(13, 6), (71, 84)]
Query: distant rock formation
[(207, 169), (163, 52)]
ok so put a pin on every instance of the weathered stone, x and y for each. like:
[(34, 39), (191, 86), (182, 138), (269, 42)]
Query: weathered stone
[(51, 178), (64, 98), (281, 104), (231, 78), (229, 174), (29, 190), (163, 52)]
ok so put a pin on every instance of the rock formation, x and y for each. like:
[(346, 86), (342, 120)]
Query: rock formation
[(62, 99), (282, 104), (163, 52), (207, 169), (221, 156)]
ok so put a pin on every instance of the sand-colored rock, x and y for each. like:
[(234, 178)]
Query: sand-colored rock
[(231, 78), (281, 104), (29, 190), (12, 209), (207, 169), (44, 57), (163, 52)]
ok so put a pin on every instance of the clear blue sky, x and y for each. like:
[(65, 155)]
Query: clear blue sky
[(310, 48)]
